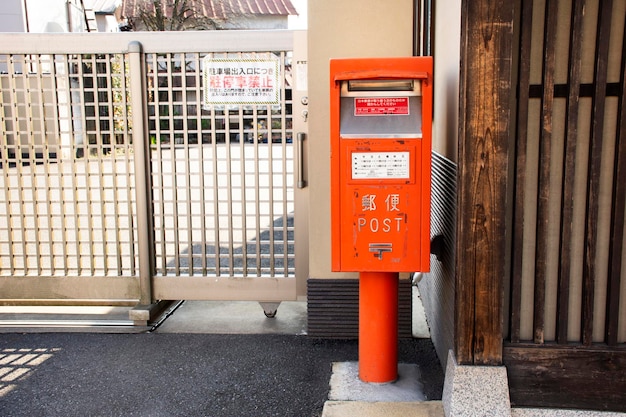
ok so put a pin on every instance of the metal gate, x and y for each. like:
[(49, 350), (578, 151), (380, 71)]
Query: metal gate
[(118, 187)]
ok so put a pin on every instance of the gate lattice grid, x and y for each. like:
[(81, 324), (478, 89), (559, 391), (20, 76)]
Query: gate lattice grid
[(220, 179), (67, 181), (224, 176)]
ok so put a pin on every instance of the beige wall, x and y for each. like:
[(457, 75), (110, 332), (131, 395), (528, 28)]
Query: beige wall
[(342, 29), (437, 288), (447, 57)]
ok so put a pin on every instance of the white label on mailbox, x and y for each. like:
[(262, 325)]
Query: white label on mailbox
[(377, 165)]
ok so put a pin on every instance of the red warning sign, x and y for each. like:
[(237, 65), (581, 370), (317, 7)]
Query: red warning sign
[(380, 106)]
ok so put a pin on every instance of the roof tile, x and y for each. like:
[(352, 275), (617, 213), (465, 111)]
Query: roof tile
[(221, 9)]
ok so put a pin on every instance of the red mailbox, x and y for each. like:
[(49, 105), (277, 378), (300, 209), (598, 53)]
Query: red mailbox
[(380, 132), (381, 114)]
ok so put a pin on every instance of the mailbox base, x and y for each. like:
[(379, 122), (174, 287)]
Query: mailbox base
[(378, 326)]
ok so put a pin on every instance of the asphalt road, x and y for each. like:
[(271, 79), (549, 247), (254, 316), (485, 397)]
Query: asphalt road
[(78, 374)]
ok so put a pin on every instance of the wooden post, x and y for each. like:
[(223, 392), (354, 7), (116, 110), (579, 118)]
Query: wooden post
[(486, 96)]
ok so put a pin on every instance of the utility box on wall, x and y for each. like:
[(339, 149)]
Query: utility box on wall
[(381, 116)]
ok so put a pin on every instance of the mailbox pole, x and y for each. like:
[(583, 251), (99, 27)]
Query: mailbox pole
[(378, 326)]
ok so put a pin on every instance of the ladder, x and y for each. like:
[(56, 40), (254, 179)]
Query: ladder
[(90, 17)]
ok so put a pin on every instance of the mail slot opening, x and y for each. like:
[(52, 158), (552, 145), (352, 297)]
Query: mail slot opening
[(381, 85)]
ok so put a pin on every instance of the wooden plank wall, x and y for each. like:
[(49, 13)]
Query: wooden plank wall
[(566, 310), (486, 95)]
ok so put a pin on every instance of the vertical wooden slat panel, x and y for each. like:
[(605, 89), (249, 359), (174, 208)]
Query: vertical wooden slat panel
[(485, 94), (617, 215), (595, 166), (545, 158), (569, 169), (520, 168)]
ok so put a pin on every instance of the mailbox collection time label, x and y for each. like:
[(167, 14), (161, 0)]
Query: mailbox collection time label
[(380, 165), (381, 106)]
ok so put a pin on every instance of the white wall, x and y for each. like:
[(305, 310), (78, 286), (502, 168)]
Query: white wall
[(447, 61), (12, 16), (47, 16), (107, 23), (41, 16)]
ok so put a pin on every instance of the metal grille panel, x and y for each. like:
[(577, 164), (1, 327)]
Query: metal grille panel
[(82, 146), (222, 177), (67, 177)]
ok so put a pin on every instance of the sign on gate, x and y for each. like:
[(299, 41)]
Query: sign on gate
[(240, 81)]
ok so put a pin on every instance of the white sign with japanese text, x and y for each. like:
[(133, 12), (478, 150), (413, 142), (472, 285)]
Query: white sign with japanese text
[(379, 165), (240, 81)]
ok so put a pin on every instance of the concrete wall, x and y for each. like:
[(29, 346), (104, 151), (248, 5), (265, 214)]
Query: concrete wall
[(342, 29)]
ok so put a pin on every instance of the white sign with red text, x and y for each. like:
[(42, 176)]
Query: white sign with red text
[(240, 81)]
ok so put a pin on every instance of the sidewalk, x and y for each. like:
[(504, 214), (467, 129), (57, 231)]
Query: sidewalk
[(205, 359)]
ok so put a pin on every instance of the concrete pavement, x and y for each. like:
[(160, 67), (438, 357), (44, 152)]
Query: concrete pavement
[(382, 409)]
